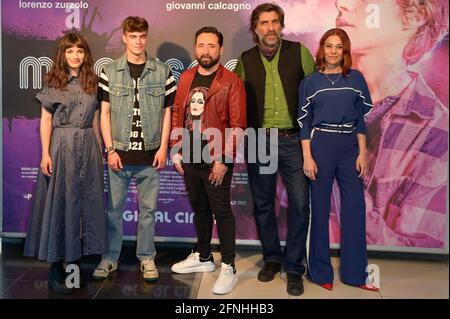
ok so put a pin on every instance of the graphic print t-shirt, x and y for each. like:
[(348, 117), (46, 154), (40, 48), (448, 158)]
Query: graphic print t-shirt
[(195, 111), (136, 155)]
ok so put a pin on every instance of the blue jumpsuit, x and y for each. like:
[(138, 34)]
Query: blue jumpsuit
[(331, 113)]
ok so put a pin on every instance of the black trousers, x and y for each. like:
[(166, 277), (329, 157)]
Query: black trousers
[(208, 200)]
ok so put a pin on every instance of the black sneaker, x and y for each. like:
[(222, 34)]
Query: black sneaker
[(294, 284), (268, 272), (57, 279)]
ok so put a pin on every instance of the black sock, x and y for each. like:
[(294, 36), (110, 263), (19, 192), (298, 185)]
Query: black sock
[(205, 259)]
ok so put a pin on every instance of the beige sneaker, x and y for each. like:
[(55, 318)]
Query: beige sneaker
[(104, 269), (149, 270)]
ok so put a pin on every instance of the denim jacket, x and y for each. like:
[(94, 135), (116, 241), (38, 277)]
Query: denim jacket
[(151, 94)]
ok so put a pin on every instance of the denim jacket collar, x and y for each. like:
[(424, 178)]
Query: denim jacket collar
[(122, 63)]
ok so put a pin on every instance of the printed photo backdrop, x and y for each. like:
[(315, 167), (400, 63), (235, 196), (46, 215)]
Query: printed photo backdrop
[(406, 190)]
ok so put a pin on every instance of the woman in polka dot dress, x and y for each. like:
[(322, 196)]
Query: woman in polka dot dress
[(68, 219)]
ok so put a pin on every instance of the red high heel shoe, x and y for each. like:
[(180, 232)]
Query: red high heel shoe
[(327, 286), (371, 288)]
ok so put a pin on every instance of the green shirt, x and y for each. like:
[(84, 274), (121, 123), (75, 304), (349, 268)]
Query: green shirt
[(276, 112)]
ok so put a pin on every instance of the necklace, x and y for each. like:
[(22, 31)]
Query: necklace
[(333, 81)]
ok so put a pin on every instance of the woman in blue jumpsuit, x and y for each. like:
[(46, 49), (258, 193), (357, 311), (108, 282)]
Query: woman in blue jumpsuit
[(333, 103)]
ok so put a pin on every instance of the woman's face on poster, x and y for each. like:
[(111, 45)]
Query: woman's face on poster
[(371, 24), (197, 104)]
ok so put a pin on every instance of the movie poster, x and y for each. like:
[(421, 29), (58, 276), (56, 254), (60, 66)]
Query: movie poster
[(403, 58)]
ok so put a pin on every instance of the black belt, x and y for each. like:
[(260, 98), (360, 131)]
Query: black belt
[(282, 132)]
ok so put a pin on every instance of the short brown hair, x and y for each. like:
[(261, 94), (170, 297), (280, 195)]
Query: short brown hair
[(212, 30), (264, 7), (134, 24), (346, 62)]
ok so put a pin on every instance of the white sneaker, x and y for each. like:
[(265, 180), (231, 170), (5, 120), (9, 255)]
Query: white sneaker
[(226, 281), (104, 269), (193, 264), (149, 270)]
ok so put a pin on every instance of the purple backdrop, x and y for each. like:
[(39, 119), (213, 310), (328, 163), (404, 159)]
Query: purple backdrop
[(29, 36)]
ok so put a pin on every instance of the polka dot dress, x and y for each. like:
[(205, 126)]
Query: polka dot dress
[(68, 217)]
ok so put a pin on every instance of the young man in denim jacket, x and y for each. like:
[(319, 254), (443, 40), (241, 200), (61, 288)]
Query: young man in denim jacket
[(136, 92)]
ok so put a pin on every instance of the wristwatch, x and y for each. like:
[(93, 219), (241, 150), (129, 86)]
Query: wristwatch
[(109, 149)]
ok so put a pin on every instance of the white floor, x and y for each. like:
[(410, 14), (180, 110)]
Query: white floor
[(398, 279)]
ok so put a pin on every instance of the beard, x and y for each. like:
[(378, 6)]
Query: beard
[(271, 43), (207, 64)]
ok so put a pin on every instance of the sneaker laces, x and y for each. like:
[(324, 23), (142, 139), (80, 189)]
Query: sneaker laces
[(148, 264)]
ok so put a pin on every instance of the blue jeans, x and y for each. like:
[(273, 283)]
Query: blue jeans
[(263, 186), (147, 182)]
